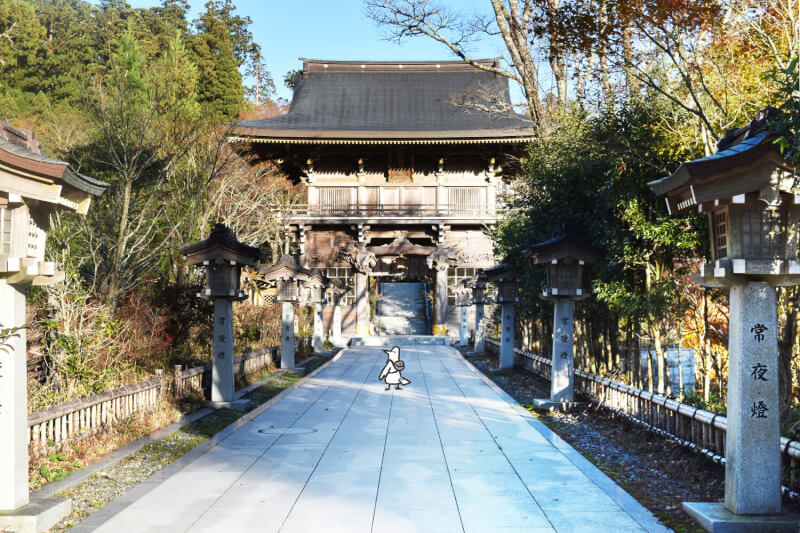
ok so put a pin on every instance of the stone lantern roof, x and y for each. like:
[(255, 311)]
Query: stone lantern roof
[(746, 161), (565, 246), (221, 245), (502, 272), (286, 269)]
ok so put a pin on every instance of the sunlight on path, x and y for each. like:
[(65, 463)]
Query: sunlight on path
[(341, 454)]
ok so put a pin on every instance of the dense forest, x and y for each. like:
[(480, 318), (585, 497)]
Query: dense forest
[(138, 98)]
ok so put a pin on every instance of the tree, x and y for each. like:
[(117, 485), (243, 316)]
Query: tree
[(410, 18), (262, 88), (220, 84), (21, 37), (135, 148)]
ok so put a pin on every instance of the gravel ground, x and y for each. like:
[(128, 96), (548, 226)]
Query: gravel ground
[(658, 472), (109, 484)]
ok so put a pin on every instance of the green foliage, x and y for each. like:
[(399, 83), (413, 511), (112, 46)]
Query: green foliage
[(787, 126), (714, 404)]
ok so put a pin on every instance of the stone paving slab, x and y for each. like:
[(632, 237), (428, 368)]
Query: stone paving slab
[(449, 452)]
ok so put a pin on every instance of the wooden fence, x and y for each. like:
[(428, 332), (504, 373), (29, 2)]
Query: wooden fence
[(57, 425), (197, 381), (694, 428), (91, 414)]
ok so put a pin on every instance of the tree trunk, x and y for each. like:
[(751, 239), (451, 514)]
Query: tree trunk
[(786, 342), (707, 352), (112, 289)]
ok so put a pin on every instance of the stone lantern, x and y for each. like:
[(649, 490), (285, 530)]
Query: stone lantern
[(223, 258), (565, 256), (32, 187), (507, 282), (333, 296), (314, 288), (477, 284), (464, 301), (287, 275), (747, 191)]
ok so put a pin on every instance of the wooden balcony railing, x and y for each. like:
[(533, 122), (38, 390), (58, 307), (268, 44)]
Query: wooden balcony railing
[(371, 211)]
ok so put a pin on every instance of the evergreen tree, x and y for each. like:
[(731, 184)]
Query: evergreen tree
[(220, 84)]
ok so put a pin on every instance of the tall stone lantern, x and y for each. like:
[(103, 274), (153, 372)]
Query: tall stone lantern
[(477, 284), (464, 301), (287, 275), (507, 282), (223, 257), (333, 295), (747, 191), (315, 291), (565, 257), (32, 187)]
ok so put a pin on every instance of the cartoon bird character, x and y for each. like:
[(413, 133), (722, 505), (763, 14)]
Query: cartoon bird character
[(391, 371)]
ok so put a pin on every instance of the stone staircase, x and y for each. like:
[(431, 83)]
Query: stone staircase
[(401, 309)]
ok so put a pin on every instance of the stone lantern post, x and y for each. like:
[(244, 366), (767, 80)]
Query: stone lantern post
[(314, 288), (747, 191), (565, 257), (223, 258), (479, 297), (333, 295), (464, 301), (507, 283), (32, 187), (287, 274)]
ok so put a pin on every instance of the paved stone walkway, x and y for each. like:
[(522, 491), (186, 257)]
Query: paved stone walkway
[(449, 452)]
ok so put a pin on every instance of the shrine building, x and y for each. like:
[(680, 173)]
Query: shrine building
[(405, 165)]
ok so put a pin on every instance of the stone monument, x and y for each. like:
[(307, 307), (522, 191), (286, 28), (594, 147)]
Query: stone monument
[(565, 257), (748, 192), (223, 258)]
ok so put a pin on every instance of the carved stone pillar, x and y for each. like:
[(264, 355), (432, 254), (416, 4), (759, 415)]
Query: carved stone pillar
[(362, 262), (439, 261)]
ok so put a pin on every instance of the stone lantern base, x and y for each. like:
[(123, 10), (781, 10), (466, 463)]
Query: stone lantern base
[(38, 515), (714, 517), (546, 404)]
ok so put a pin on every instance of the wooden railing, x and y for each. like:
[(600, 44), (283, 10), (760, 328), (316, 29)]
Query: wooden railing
[(197, 381), (54, 427), (393, 210), (89, 415), (694, 428)]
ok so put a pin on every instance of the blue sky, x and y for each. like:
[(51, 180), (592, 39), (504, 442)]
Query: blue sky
[(335, 30)]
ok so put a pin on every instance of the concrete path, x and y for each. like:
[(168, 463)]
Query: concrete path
[(449, 452)]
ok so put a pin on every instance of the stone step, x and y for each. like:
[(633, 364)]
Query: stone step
[(409, 308), (398, 325)]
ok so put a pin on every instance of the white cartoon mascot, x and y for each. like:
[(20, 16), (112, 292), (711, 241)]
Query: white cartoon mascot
[(391, 371)]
